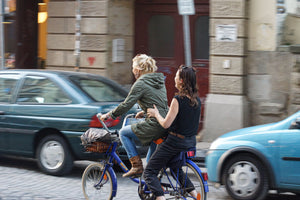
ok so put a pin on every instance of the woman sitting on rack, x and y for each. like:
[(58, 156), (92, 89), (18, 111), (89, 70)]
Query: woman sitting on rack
[(182, 120)]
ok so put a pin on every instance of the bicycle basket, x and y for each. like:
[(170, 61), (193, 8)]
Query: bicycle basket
[(98, 146)]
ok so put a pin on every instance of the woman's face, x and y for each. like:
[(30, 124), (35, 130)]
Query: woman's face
[(177, 80), (136, 72)]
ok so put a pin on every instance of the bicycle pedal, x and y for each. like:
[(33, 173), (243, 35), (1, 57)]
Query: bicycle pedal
[(136, 176)]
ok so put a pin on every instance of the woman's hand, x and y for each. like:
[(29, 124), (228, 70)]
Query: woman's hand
[(152, 112), (103, 117), (140, 114)]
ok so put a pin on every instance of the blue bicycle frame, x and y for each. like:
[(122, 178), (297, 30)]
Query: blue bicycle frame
[(112, 155)]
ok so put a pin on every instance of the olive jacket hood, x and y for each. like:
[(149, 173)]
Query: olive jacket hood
[(148, 90)]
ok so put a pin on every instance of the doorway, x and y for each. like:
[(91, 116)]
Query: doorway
[(25, 32), (159, 33)]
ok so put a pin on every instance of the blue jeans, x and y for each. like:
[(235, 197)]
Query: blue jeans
[(128, 139)]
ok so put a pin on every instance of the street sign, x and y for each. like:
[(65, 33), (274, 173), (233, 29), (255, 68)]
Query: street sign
[(186, 7)]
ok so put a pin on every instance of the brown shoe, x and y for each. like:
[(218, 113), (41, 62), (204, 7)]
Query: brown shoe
[(136, 167)]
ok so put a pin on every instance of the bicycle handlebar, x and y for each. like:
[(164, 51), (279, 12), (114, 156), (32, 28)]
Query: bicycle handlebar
[(102, 122)]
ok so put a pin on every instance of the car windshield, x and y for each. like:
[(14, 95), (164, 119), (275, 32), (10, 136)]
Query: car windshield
[(98, 90)]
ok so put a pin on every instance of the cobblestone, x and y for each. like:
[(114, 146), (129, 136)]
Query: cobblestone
[(20, 179)]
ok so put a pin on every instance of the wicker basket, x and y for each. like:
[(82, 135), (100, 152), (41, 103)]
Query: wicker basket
[(100, 147)]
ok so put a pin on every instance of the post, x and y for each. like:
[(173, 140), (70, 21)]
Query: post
[(186, 8), (2, 42), (77, 36), (187, 40)]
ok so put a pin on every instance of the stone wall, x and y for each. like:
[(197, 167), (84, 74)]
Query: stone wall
[(291, 32), (102, 21), (121, 26), (61, 36), (268, 84), (226, 105), (294, 103)]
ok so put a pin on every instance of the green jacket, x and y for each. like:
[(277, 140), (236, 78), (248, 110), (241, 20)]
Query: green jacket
[(149, 89)]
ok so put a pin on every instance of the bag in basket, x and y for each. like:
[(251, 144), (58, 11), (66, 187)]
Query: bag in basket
[(96, 140), (95, 134)]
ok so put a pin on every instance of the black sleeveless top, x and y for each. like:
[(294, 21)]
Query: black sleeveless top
[(187, 120)]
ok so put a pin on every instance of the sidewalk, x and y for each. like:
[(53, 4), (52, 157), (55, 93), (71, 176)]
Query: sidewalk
[(202, 148)]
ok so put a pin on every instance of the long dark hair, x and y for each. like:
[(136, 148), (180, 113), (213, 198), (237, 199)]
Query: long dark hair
[(189, 84)]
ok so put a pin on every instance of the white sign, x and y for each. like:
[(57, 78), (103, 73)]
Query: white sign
[(118, 50), (186, 7), (226, 33)]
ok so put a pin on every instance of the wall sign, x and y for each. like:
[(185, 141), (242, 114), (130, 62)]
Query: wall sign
[(118, 50), (226, 33)]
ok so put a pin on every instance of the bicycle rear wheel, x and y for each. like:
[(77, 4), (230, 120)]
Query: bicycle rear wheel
[(91, 187), (180, 190)]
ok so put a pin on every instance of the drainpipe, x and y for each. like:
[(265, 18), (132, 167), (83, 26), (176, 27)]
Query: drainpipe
[(77, 36), (2, 58)]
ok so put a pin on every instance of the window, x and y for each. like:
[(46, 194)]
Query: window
[(7, 85), (41, 90), (98, 90), (161, 36), (202, 37)]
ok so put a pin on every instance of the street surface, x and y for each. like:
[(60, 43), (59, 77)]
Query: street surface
[(20, 179)]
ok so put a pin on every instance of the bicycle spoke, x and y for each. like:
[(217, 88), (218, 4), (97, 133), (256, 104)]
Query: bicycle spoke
[(92, 189), (180, 187)]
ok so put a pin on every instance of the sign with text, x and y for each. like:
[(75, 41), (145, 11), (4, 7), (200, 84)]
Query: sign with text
[(226, 33), (186, 7)]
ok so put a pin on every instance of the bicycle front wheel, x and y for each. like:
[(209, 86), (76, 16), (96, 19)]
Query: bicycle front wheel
[(91, 185), (180, 186)]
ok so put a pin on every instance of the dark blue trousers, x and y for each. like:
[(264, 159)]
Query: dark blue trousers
[(163, 154)]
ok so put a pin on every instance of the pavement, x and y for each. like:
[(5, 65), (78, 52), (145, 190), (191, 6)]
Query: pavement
[(202, 148)]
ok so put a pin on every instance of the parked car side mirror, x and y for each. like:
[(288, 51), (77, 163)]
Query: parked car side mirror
[(295, 124)]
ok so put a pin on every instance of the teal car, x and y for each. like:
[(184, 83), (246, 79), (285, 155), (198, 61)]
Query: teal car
[(44, 113), (251, 161)]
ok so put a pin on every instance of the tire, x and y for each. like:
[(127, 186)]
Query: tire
[(182, 192), (245, 178), (53, 156), (90, 177)]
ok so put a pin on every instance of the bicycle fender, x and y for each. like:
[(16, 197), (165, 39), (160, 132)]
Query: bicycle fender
[(114, 181), (200, 173)]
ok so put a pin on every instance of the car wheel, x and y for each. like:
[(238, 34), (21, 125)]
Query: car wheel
[(53, 156), (245, 178)]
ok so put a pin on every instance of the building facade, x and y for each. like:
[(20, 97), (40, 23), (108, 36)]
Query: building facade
[(245, 51)]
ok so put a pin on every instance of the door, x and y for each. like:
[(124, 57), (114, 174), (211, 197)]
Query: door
[(289, 157), (8, 85), (159, 33)]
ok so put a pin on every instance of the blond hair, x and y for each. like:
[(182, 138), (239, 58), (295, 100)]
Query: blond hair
[(144, 63)]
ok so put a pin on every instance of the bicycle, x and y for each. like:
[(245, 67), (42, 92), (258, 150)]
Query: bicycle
[(99, 180)]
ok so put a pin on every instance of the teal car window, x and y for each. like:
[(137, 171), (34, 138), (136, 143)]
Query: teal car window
[(7, 86), (41, 90), (98, 90)]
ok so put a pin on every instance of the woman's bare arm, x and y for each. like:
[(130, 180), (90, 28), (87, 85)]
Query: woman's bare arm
[(170, 117)]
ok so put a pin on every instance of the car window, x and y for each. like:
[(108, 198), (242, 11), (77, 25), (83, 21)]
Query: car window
[(7, 86), (98, 90), (41, 90), (295, 124)]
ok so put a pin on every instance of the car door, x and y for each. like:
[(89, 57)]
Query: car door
[(38, 105), (8, 84), (289, 157)]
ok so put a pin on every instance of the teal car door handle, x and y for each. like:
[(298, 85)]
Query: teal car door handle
[(2, 112)]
